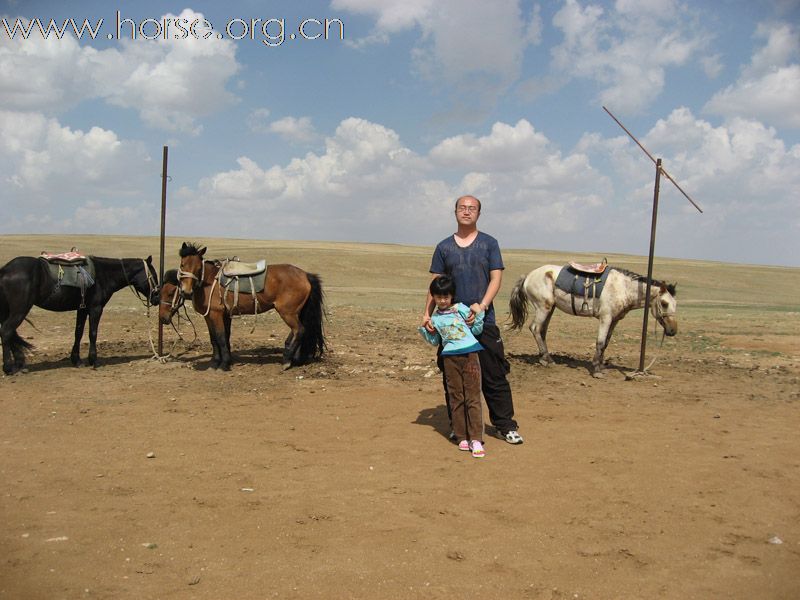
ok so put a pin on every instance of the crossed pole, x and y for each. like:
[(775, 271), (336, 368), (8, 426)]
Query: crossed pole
[(659, 171)]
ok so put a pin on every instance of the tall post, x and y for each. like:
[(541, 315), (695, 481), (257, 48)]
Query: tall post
[(163, 230), (650, 265)]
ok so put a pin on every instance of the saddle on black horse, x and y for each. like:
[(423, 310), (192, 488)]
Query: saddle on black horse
[(583, 281), (71, 269)]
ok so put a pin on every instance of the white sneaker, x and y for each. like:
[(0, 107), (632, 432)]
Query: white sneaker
[(512, 437)]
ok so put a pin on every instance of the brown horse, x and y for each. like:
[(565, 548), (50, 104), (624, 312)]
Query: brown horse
[(296, 296)]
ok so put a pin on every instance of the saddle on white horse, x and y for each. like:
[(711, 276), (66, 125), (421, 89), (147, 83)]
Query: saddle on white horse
[(583, 281)]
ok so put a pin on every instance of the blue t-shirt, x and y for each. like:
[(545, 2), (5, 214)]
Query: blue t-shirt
[(453, 332), (469, 267)]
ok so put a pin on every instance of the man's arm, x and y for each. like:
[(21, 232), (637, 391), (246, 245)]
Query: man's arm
[(495, 281), (429, 304)]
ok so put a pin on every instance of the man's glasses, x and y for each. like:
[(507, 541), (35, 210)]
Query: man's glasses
[(467, 209)]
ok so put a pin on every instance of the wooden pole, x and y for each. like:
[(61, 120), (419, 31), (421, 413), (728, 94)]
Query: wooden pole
[(163, 230), (650, 265)]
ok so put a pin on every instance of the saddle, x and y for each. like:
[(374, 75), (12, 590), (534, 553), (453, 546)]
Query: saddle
[(71, 269), (238, 277), (583, 281), (589, 268), (73, 257), (234, 268)]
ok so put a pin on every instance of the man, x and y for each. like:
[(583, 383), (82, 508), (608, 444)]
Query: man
[(472, 258)]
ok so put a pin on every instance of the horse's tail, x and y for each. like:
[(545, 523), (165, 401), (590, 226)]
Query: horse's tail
[(518, 304), (15, 343), (312, 344)]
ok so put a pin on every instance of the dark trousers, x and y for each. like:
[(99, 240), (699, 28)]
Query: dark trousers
[(494, 384), (463, 373)]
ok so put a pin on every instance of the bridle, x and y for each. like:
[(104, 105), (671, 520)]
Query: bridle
[(176, 302), (658, 310), (151, 283), (198, 281)]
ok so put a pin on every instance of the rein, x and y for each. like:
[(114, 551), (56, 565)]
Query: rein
[(150, 284), (659, 314), (175, 304)]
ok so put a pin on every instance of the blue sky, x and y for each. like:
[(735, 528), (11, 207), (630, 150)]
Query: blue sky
[(371, 137)]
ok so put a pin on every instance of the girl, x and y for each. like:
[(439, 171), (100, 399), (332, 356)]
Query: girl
[(462, 369)]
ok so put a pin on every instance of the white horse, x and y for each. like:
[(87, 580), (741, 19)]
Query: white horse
[(623, 292)]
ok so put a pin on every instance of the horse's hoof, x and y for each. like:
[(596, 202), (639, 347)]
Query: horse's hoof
[(286, 366), (546, 362), (599, 375)]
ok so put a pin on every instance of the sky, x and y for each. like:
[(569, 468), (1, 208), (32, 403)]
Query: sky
[(364, 120)]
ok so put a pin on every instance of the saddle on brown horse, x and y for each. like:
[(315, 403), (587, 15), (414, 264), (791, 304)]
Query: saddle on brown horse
[(238, 277)]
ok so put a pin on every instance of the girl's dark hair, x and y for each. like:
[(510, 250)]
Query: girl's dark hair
[(443, 285)]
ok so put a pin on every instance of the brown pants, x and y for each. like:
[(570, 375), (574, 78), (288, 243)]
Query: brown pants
[(463, 375)]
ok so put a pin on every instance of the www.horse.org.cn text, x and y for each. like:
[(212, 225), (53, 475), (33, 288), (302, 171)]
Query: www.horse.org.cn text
[(271, 32)]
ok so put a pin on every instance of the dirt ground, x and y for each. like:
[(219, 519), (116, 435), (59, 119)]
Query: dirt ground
[(148, 479)]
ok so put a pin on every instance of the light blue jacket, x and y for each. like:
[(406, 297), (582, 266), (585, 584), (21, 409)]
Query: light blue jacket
[(452, 330)]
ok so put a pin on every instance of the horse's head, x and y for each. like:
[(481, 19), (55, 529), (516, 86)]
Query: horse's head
[(191, 270), (169, 297), (142, 276), (664, 308)]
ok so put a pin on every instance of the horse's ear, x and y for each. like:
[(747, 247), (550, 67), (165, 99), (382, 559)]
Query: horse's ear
[(149, 260), (183, 246), (663, 289), (203, 251)]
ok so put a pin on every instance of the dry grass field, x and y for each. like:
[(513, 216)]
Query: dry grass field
[(166, 479)]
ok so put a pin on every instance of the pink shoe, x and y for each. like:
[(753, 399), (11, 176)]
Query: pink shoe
[(477, 449), (463, 445)]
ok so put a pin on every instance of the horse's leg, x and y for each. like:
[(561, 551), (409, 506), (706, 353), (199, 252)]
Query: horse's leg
[(13, 355), (226, 358), (94, 324), (291, 347), (538, 327), (215, 349), (80, 323), (603, 337), (608, 339), (15, 303)]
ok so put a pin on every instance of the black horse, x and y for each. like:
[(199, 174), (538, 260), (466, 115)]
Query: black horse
[(26, 281)]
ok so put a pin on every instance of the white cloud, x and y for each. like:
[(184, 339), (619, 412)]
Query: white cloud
[(368, 186), (628, 49), (741, 174), (40, 156), (506, 148), (769, 87), (57, 178), (445, 54), (258, 120), (159, 79), (391, 16), (295, 130)]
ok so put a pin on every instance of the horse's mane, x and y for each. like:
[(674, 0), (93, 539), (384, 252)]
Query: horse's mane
[(189, 249), (636, 277)]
